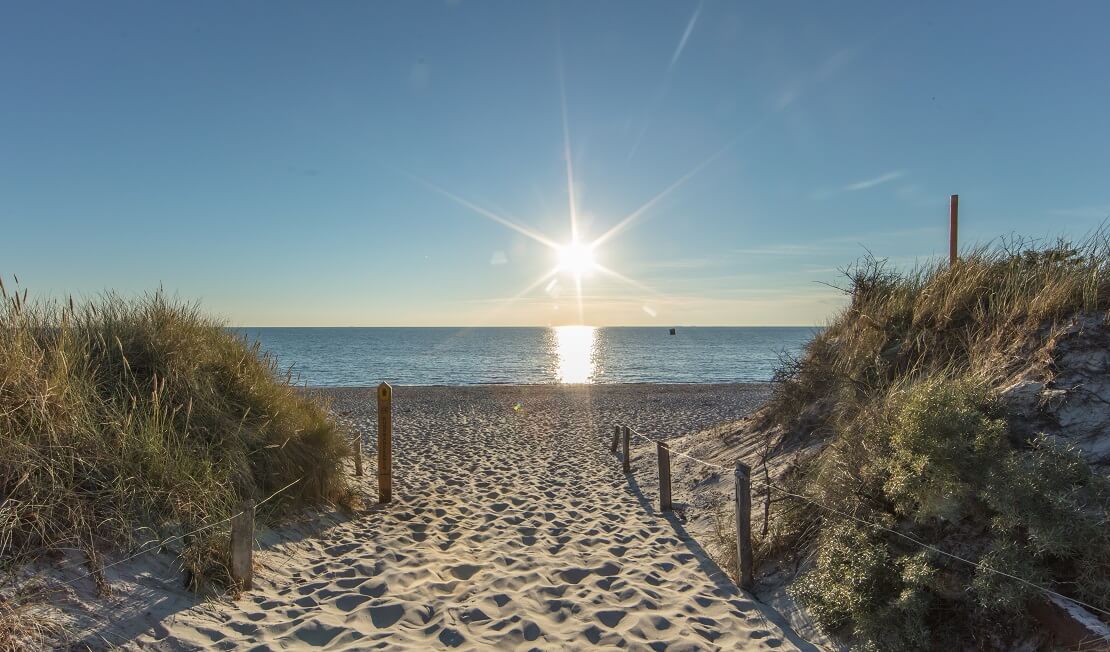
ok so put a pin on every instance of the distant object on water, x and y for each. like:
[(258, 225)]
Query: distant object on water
[(672, 331)]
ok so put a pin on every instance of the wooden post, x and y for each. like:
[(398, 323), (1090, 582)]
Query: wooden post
[(664, 476), (242, 546), (627, 461), (385, 443), (616, 439), (744, 525), (953, 229), (357, 444)]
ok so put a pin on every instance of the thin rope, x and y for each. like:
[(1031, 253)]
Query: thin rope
[(886, 529), (149, 545), (679, 453), (935, 549)]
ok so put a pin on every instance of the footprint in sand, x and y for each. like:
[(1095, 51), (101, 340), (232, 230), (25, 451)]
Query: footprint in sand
[(611, 618), (351, 601), (451, 637), (464, 571), (383, 616)]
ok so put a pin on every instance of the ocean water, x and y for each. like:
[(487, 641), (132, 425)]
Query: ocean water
[(568, 354)]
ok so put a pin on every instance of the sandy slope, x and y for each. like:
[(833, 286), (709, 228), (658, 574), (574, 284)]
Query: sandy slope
[(512, 527)]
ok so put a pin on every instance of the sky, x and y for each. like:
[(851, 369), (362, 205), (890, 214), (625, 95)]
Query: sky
[(399, 163)]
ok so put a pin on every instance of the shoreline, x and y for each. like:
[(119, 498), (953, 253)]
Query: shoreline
[(643, 384)]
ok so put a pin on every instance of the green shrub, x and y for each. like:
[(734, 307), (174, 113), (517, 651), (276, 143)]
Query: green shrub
[(940, 438), (1050, 516), (857, 582), (118, 415), (931, 460)]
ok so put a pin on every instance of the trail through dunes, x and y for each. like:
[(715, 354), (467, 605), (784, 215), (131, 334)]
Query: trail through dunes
[(511, 527)]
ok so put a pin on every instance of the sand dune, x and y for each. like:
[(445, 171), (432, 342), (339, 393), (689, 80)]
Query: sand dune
[(512, 527)]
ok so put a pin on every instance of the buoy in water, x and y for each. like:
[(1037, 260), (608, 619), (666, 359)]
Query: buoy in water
[(672, 331)]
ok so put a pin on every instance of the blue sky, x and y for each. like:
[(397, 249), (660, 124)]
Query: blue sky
[(279, 161)]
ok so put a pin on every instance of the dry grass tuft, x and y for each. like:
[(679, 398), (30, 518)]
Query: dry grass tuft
[(25, 622), (123, 421)]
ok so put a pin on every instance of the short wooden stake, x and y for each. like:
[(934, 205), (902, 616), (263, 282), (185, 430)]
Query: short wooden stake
[(953, 229), (627, 460), (744, 525), (664, 476), (357, 444), (616, 438), (242, 546), (385, 443)]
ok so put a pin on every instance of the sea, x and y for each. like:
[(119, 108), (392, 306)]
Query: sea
[(360, 357)]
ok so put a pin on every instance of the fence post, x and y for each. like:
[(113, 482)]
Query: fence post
[(744, 525), (242, 546), (953, 229), (385, 443), (357, 444), (616, 439), (664, 476), (627, 461)]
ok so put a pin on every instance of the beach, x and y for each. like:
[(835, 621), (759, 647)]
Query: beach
[(512, 526)]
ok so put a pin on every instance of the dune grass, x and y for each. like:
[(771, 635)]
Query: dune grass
[(901, 393), (125, 420)]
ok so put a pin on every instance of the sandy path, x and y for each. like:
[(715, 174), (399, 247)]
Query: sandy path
[(512, 526)]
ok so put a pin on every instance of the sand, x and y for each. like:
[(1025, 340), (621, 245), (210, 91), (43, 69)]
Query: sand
[(512, 526)]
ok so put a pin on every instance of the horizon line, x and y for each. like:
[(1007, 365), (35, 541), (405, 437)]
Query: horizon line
[(549, 326)]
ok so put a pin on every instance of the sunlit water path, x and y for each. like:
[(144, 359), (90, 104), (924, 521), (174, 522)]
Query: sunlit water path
[(567, 354)]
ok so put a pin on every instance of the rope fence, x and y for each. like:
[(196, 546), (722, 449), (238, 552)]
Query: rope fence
[(157, 544), (743, 513)]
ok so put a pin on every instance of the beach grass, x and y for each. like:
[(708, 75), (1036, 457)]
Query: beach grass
[(900, 397), (124, 420)]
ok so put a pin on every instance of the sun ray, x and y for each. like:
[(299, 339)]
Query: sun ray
[(485, 212), (566, 149), (634, 215), (535, 284), (578, 290), (502, 304), (665, 85), (630, 281)]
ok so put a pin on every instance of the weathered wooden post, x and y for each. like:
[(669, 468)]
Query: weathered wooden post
[(357, 444), (627, 461), (385, 443), (664, 476), (744, 525), (953, 229), (242, 546), (616, 438)]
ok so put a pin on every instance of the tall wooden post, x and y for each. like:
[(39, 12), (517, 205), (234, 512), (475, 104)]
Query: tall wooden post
[(953, 229), (627, 461), (664, 452), (616, 439), (744, 525), (242, 546), (385, 443)]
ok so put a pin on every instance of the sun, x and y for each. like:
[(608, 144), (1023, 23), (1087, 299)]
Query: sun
[(577, 258)]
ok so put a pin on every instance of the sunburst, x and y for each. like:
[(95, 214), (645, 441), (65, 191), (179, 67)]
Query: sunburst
[(577, 258)]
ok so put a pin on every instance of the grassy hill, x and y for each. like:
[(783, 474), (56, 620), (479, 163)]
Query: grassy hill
[(122, 421), (963, 407)]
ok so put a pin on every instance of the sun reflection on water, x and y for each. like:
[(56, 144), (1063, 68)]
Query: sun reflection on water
[(574, 347)]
